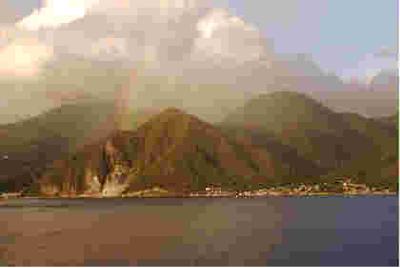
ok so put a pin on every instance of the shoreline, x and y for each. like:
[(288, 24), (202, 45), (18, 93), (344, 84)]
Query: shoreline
[(201, 196)]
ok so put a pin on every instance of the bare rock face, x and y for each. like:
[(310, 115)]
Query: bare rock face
[(113, 189), (117, 181), (117, 169), (92, 182), (91, 172)]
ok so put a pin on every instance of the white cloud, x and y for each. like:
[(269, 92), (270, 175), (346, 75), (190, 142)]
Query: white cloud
[(182, 38), (162, 33), (166, 37), (371, 65), (229, 37), (55, 13), (109, 46), (23, 57)]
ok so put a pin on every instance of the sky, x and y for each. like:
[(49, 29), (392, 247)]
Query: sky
[(24, 7), (344, 37), (246, 46), (340, 34)]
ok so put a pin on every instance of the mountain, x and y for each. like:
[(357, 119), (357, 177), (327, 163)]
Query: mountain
[(294, 167), (173, 150), (338, 143), (279, 137), (28, 146)]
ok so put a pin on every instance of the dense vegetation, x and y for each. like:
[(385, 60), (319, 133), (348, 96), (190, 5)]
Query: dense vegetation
[(29, 147), (280, 138), (337, 144)]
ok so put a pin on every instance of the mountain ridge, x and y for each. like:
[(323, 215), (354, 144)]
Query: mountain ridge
[(334, 141), (279, 137), (174, 150)]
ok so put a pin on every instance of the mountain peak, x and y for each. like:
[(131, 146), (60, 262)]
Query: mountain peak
[(173, 110), (173, 116), (280, 110), (174, 150)]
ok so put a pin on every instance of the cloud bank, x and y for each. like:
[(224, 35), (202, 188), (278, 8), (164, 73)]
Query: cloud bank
[(92, 46), (158, 34)]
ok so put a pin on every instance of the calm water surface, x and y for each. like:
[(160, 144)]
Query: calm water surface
[(270, 231)]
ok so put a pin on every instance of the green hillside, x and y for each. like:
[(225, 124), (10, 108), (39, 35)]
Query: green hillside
[(27, 147), (276, 138), (345, 144), (173, 150)]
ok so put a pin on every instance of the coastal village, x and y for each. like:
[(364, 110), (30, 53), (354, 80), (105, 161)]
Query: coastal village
[(341, 187)]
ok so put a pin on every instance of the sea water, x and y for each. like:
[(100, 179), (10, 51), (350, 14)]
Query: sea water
[(325, 231)]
